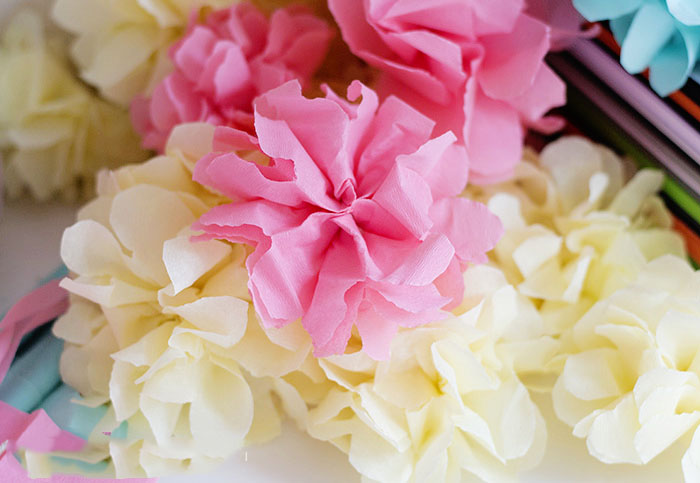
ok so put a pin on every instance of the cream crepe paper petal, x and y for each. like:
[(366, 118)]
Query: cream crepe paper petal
[(186, 262), (691, 459)]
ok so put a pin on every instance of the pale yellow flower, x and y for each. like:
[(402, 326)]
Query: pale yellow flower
[(55, 134), (575, 230), (161, 327), (121, 46), (447, 405), (632, 385)]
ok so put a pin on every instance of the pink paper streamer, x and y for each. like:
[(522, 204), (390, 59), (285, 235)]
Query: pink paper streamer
[(33, 310)]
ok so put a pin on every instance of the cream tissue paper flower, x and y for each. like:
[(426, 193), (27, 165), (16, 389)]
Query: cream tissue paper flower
[(446, 406), (161, 328), (576, 230), (121, 46), (632, 385), (55, 134)]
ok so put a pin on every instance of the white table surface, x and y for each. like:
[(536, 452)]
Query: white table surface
[(29, 250)]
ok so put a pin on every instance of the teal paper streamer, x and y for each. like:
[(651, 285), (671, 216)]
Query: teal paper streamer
[(656, 34), (59, 407), (62, 407), (33, 375)]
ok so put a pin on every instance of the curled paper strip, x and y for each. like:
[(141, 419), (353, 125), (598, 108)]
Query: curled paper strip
[(358, 229), (34, 434), (35, 309)]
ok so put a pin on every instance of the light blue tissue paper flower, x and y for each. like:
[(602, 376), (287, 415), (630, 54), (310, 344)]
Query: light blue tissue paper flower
[(663, 35)]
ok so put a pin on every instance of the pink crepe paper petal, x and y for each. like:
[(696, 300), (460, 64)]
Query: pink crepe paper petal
[(494, 135), (513, 59), (343, 219), (471, 228), (546, 90), (222, 64), (33, 310), (376, 332)]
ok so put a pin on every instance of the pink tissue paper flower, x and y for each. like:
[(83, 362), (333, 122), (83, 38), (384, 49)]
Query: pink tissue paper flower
[(224, 63), (354, 217), (475, 67)]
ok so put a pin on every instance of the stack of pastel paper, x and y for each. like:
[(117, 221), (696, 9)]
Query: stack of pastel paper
[(365, 239)]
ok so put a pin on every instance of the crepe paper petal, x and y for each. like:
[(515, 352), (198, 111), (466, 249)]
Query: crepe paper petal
[(661, 36), (630, 384), (365, 240), (33, 310), (53, 138), (160, 335), (223, 63), (461, 74), (137, 32), (435, 409)]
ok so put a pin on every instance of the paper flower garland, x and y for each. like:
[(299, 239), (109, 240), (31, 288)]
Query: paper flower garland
[(476, 68), (55, 134), (632, 385), (663, 36), (446, 406), (120, 47), (225, 62), (352, 212), (161, 326)]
